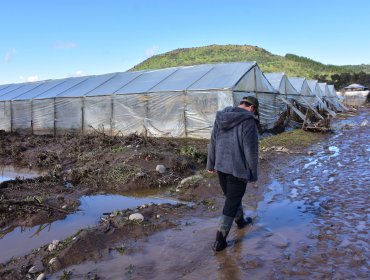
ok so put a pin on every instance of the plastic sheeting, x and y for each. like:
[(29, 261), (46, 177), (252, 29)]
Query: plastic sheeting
[(173, 102), (5, 116), (355, 98), (43, 116)]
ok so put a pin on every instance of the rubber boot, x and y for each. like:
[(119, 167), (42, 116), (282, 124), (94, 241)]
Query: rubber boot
[(220, 242), (240, 221), (223, 230)]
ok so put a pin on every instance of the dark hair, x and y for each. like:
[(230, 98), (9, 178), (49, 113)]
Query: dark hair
[(246, 103)]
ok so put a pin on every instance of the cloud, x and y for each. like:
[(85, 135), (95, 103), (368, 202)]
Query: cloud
[(151, 51), (32, 78), (9, 54), (78, 73), (65, 45)]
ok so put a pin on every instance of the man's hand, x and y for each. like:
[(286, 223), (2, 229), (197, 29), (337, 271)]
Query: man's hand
[(212, 171)]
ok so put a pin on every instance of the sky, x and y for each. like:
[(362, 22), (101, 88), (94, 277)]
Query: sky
[(50, 39)]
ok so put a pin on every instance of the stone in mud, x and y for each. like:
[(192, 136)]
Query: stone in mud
[(53, 245), (160, 168), (41, 276), (34, 269), (364, 123), (136, 217), (55, 263), (194, 178)]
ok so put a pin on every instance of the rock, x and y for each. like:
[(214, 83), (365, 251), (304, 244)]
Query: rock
[(41, 276), (53, 262), (160, 168), (64, 207), (364, 123), (310, 153), (140, 174), (157, 216), (136, 217), (52, 247), (34, 269), (194, 178)]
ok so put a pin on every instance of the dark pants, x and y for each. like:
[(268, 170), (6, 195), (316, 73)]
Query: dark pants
[(234, 189)]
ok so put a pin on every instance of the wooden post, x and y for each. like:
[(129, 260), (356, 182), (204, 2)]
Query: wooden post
[(83, 115), (32, 116), (55, 117), (11, 116), (112, 114)]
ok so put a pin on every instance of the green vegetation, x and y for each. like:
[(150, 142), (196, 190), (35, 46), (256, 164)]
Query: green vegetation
[(290, 64), (194, 153), (119, 149), (122, 173), (294, 139)]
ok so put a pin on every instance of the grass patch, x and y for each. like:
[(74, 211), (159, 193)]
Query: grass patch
[(119, 149), (297, 138), (122, 173), (193, 152)]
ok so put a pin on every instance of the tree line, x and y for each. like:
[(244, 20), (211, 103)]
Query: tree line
[(344, 79)]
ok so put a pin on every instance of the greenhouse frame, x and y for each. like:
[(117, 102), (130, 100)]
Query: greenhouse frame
[(173, 102)]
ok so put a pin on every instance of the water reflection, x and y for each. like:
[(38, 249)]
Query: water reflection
[(9, 172)]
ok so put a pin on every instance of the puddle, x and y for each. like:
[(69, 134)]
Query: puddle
[(9, 172), (21, 240), (312, 162), (278, 227), (335, 150)]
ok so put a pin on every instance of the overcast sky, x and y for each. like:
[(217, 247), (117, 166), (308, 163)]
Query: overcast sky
[(47, 39)]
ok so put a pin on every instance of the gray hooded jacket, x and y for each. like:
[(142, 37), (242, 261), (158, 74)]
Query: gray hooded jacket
[(234, 144)]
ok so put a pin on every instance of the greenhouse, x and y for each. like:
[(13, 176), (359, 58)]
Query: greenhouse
[(306, 97), (173, 102), (287, 92)]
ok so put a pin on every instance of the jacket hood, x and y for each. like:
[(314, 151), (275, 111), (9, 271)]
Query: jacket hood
[(231, 117)]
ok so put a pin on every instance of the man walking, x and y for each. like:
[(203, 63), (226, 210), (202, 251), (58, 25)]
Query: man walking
[(233, 154)]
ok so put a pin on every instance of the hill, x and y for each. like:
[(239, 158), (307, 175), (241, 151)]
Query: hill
[(291, 64)]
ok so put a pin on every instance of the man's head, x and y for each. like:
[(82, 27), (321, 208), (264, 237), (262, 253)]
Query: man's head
[(251, 104)]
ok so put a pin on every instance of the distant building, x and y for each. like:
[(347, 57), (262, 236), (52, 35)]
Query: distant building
[(355, 87), (356, 95)]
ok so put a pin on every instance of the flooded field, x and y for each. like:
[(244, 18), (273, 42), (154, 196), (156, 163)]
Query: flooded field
[(18, 241), (310, 211)]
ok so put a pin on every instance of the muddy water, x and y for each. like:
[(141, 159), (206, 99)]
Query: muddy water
[(312, 223), (21, 240)]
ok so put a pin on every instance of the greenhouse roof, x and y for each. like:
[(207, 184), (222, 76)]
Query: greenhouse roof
[(324, 89), (275, 79), (197, 77), (355, 86)]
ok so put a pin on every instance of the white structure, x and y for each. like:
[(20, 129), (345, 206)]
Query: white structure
[(356, 95), (175, 102)]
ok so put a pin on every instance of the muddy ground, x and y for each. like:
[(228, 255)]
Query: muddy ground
[(317, 181)]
